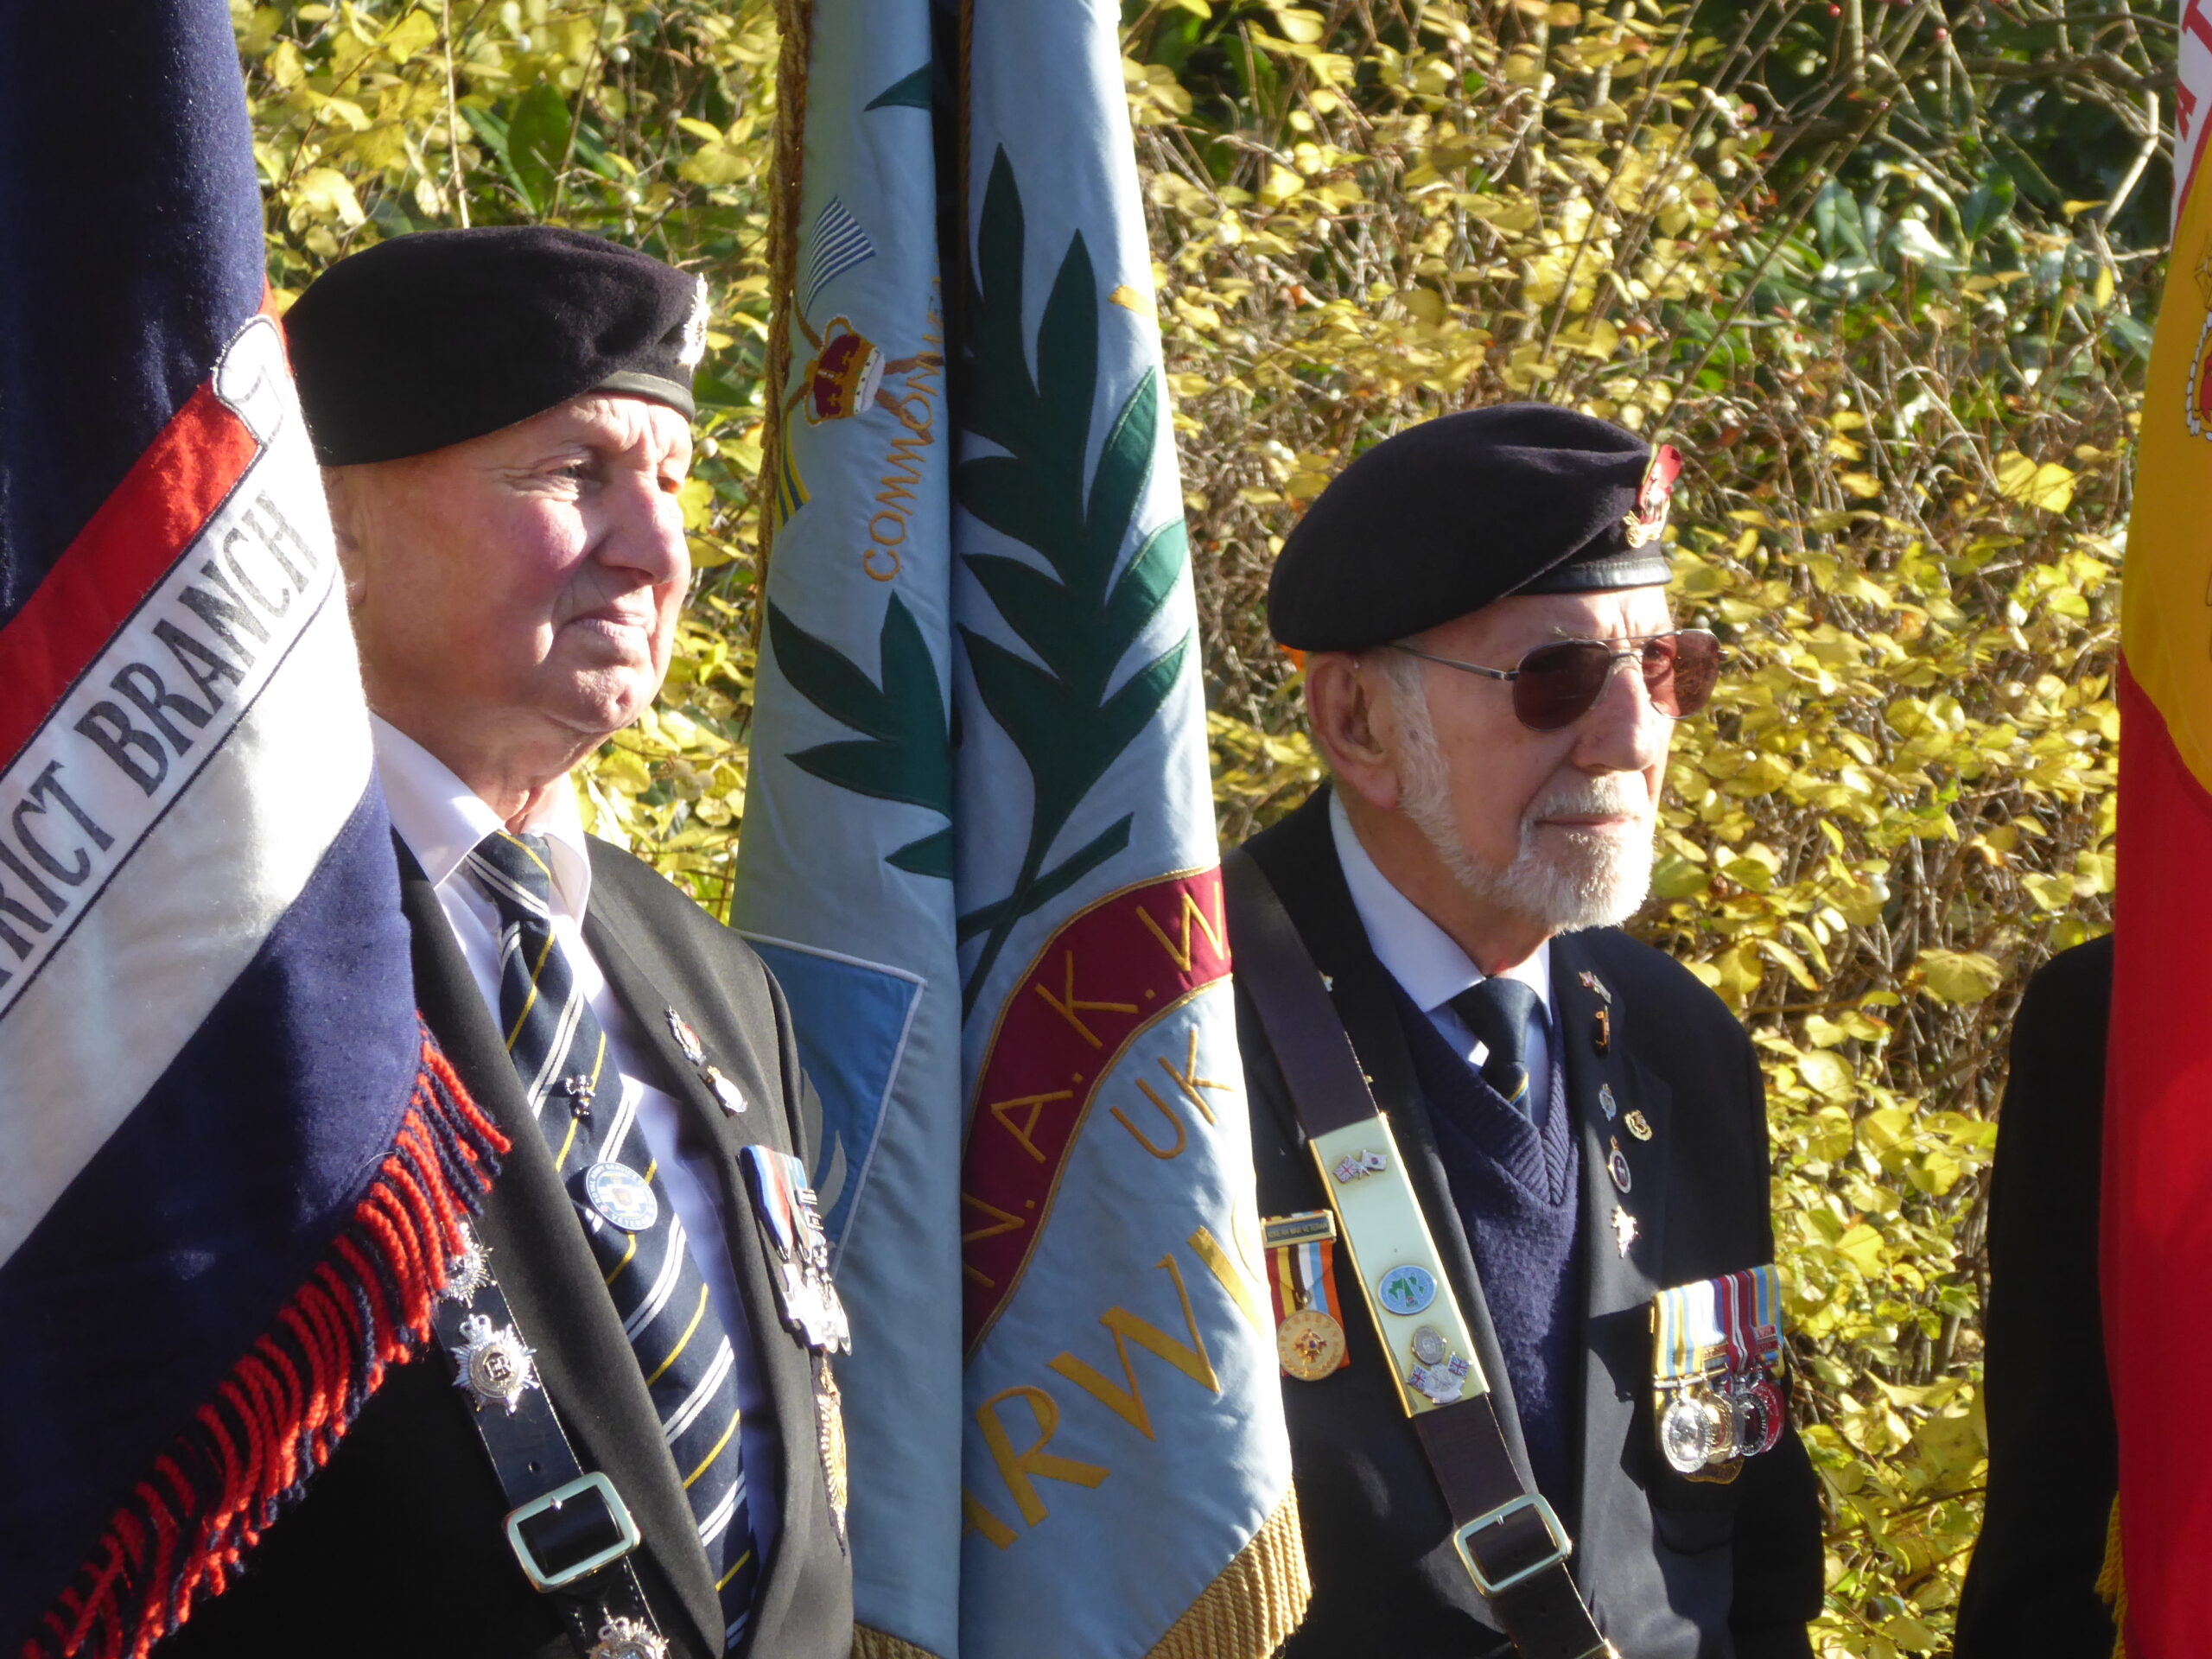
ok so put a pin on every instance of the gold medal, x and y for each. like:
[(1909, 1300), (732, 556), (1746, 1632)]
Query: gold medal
[(1310, 1344)]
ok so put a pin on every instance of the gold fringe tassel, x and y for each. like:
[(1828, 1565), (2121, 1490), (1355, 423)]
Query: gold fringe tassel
[(877, 1644), (1251, 1608), (2112, 1584)]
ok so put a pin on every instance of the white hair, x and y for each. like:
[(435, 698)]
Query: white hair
[(1599, 879)]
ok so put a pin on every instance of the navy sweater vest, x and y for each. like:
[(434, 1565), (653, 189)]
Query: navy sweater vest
[(1518, 1194)]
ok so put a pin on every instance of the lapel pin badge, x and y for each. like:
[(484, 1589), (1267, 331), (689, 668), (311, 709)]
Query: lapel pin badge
[(1639, 1125), (1624, 1229)]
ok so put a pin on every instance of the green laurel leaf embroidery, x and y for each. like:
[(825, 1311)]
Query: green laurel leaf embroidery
[(1077, 617), (905, 753)]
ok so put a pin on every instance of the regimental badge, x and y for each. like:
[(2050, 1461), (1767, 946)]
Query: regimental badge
[(829, 1420), (1624, 1229), (1301, 1251), (1601, 1031), (1407, 1289), (725, 1090), (1593, 983), (1443, 1380), (686, 1039), (1639, 1125), (1716, 1370), (621, 1196), (1605, 1102), (1358, 1166), (1653, 497), (695, 329), (627, 1638), (496, 1365), (468, 1272), (579, 1088), (1617, 1166)]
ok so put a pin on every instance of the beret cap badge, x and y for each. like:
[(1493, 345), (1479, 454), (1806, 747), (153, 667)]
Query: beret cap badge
[(695, 330), (1653, 497)]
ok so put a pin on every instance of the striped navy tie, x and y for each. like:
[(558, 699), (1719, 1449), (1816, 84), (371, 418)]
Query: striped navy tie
[(682, 1345), (1498, 1011)]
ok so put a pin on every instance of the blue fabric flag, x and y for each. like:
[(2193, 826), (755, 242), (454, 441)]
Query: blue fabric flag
[(979, 850), (230, 1158)]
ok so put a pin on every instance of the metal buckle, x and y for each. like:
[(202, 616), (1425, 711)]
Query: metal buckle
[(1562, 1546), (543, 1577)]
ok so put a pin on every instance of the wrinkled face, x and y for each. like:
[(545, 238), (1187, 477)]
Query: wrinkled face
[(1555, 826), (521, 589)]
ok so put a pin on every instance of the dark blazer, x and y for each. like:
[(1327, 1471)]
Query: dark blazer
[(397, 1546), (2054, 1456), (1672, 1569)]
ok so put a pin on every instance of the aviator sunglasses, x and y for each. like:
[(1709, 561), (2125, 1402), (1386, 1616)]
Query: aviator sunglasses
[(1555, 685)]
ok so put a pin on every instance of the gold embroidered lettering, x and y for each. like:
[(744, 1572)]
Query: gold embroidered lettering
[(1005, 1223), (976, 1518), (1188, 1079), (1178, 949), (1191, 1359), (1224, 1268), (1182, 1135), (1003, 1111), (1067, 1004), (1021, 1469)]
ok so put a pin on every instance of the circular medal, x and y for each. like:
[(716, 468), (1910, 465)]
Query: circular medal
[(1721, 1443), (1683, 1428), (621, 1196), (1406, 1290), (1429, 1345), (1766, 1414), (1310, 1344), (1617, 1166)]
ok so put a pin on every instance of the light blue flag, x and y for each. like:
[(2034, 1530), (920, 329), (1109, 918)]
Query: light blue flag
[(979, 853), (845, 877)]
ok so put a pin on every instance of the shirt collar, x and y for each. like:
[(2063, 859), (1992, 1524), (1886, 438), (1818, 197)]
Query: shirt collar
[(441, 819), (1429, 967)]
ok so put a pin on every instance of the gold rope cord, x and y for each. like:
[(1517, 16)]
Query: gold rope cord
[(876, 1644), (787, 169), (2112, 1584), (1251, 1608)]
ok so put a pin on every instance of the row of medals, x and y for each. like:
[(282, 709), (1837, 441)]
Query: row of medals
[(1720, 1419)]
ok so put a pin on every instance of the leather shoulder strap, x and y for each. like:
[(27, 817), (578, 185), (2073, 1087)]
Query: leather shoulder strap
[(1507, 1537)]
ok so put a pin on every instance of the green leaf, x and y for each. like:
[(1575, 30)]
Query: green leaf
[(931, 855), (537, 140), (1124, 463), (1056, 880), (909, 92)]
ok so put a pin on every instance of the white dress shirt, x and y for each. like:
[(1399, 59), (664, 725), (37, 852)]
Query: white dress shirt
[(441, 820), (1422, 957)]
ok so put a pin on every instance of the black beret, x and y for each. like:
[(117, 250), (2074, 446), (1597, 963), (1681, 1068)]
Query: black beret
[(1443, 517), (443, 336)]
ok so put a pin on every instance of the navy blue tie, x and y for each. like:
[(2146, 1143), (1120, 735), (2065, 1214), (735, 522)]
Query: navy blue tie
[(682, 1345), (1498, 1011)]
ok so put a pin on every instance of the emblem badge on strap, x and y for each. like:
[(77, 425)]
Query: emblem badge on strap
[(495, 1365), (628, 1638)]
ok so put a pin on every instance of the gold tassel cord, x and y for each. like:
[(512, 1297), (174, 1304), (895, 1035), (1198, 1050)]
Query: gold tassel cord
[(879, 1644), (787, 171), (2112, 1584), (1251, 1608)]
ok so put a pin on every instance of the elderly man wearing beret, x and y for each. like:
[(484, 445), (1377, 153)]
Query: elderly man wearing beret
[(644, 1456), (1514, 1164)]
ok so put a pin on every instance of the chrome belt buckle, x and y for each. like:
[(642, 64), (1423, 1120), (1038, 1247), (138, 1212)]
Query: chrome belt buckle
[(548, 1577), (1562, 1546)]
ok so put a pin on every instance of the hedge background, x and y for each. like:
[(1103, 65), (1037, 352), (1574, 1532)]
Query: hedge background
[(1883, 269)]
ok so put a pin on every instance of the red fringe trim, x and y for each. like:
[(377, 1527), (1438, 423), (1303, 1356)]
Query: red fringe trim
[(286, 1404)]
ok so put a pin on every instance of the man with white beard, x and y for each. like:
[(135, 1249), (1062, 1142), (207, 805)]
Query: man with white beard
[(1513, 1163)]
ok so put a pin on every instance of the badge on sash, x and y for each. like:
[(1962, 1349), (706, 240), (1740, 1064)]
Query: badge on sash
[(1301, 1280), (798, 1250), (1716, 1371)]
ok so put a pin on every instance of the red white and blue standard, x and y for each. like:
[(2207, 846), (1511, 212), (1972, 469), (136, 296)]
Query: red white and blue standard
[(232, 1165)]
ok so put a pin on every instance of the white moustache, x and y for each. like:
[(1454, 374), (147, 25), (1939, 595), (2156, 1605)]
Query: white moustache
[(1615, 795)]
